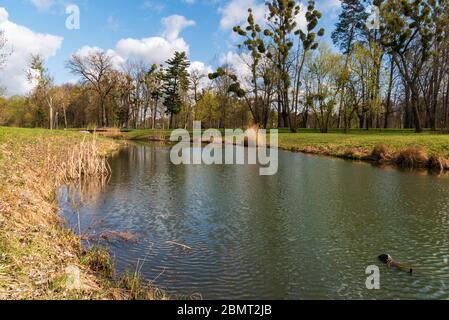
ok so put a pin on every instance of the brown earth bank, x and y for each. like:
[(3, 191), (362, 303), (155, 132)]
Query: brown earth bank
[(37, 252)]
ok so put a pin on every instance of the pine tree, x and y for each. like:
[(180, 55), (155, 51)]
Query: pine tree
[(350, 25), (176, 84)]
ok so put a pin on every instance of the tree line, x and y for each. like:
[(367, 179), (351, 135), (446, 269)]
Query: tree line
[(388, 69)]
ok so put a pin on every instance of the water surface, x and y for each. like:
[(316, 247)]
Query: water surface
[(308, 232)]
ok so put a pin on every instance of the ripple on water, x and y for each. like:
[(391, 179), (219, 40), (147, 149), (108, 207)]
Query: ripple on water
[(307, 233)]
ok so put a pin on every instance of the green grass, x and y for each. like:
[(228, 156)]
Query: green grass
[(337, 143)]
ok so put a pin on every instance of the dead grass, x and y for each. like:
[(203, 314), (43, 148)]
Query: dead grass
[(35, 248), (413, 157), (381, 153), (438, 163)]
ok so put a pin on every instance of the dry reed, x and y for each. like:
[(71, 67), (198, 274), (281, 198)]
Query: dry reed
[(84, 161)]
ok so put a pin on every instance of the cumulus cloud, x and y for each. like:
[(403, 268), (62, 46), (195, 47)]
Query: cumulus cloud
[(4, 16), (201, 69), (151, 50), (238, 63), (118, 62), (155, 50), (173, 25), (23, 42), (236, 12)]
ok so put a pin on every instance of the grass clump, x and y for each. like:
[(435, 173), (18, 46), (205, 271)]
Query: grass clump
[(380, 153), (413, 157), (99, 260), (135, 288)]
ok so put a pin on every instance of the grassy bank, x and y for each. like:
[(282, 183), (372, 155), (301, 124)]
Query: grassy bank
[(401, 147), (35, 248)]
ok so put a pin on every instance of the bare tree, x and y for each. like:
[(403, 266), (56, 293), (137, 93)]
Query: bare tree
[(96, 70), (44, 86)]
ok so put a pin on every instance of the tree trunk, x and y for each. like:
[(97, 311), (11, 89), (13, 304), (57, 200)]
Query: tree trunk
[(65, 115), (50, 106), (103, 111), (390, 89), (415, 109)]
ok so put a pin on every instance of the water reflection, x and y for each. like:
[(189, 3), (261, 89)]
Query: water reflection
[(308, 232)]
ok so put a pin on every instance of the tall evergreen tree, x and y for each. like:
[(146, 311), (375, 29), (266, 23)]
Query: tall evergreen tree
[(176, 84), (350, 25)]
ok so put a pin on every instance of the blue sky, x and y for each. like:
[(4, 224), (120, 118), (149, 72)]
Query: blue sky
[(201, 26)]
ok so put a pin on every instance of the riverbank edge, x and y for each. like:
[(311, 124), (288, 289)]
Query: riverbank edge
[(415, 156), (38, 254)]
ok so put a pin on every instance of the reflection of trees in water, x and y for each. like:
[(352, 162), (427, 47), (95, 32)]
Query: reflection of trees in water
[(86, 191)]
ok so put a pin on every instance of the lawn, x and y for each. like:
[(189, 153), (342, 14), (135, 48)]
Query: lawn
[(338, 143)]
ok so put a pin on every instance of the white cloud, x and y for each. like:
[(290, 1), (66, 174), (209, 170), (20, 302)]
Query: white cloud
[(151, 50), (23, 42), (4, 16), (118, 61), (236, 12), (239, 65), (201, 69), (301, 18), (174, 24)]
